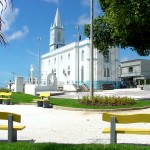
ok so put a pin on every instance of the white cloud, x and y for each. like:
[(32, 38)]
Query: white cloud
[(18, 34), (9, 16), (83, 19), (31, 53), (52, 1)]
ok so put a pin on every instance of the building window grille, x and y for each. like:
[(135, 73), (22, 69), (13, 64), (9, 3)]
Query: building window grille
[(130, 69)]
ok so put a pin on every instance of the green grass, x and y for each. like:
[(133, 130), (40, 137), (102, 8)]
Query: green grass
[(53, 146), (22, 98), (25, 98), (74, 103)]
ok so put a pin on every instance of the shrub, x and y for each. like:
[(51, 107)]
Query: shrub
[(107, 101), (4, 90)]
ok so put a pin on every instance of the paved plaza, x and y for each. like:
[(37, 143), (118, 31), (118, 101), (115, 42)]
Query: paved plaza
[(64, 126)]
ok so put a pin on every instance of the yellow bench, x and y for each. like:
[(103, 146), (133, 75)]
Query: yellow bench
[(124, 119), (44, 99), (12, 129), (4, 96)]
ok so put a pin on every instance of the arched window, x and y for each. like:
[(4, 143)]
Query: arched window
[(106, 57), (107, 72), (68, 56), (82, 55), (68, 70), (61, 58), (59, 37), (82, 74), (49, 61), (55, 60)]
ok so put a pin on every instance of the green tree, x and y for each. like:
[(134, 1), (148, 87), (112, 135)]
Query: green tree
[(127, 24)]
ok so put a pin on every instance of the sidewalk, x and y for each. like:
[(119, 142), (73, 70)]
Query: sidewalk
[(63, 126)]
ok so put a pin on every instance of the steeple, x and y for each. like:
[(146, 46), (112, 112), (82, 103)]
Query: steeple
[(57, 21), (56, 33)]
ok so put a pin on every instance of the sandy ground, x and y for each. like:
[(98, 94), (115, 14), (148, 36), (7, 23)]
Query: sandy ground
[(64, 126)]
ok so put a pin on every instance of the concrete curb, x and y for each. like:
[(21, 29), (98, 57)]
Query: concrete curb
[(98, 110), (89, 110)]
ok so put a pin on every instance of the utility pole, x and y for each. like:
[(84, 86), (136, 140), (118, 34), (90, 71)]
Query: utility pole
[(39, 61), (91, 50), (78, 40)]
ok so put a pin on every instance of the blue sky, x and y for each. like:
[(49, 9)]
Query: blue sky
[(32, 18)]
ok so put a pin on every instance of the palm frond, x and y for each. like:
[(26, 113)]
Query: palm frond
[(3, 41)]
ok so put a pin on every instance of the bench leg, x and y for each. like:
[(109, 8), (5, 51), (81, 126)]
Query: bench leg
[(46, 104), (113, 135), (7, 102), (12, 134), (1, 101), (39, 103)]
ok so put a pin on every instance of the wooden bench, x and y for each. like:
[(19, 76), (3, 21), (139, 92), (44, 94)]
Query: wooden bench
[(12, 129), (5, 97), (44, 99), (124, 119)]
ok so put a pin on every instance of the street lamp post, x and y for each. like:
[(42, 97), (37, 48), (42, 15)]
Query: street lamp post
[(78, 27), (39, 62), (91, 50)]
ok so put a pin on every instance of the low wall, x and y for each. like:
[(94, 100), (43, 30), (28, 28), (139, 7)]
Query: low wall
[(33, 89)]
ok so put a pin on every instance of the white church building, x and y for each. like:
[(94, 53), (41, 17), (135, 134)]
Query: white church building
[(62, 60)]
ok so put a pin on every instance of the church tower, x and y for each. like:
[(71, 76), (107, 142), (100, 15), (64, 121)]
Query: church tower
[(56, 33)]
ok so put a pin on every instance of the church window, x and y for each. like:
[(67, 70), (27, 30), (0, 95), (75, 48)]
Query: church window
[(59, 37), (54, 60), (61, 58), (82, 55), (49, 61), (82, 74), (68, 70), (106, 57), (106, 72), (68, 56)]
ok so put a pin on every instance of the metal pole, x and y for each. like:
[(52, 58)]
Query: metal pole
[(91, 51), (39, 62), (78, 27)]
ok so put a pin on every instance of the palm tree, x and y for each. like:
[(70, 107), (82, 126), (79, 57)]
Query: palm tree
[(3, 4)]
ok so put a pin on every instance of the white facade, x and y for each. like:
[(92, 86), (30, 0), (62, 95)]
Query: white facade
[(62, 60)]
